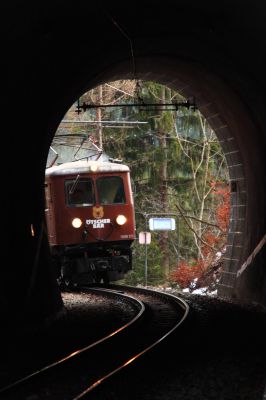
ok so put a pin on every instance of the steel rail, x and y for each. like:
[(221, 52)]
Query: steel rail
[(137, 303), (174, 298)]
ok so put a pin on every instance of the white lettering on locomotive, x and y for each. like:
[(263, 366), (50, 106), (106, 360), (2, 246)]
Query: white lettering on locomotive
[(98, 223)]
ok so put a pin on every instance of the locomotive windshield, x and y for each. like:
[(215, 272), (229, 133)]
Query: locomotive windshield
[(111, 190), (79, 193)]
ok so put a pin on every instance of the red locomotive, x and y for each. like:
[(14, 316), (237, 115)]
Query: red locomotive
[(90, 220)]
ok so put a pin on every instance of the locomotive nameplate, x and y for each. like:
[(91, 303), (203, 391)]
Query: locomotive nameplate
[(98, 223)]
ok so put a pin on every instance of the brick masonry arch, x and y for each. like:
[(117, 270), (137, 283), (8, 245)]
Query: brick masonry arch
[(235, 129)]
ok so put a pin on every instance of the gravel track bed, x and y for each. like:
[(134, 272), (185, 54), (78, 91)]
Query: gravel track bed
[(219, 353), (87, 318)]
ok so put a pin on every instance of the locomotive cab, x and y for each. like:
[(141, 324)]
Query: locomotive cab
[(90, 220)]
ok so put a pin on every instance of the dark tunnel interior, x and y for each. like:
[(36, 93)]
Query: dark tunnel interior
[(54, 51)]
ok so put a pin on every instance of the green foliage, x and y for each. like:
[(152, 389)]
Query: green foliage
[(154, 259), (173, 160)]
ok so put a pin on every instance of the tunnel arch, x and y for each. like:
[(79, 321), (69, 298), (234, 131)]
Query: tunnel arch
[(227, 114)]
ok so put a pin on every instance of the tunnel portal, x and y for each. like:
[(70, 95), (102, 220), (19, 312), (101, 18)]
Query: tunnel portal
[(55, 52)]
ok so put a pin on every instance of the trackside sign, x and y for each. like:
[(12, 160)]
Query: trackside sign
[(162, 224), (144, 237)]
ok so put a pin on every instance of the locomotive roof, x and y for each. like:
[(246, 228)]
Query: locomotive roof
[(83, 167)]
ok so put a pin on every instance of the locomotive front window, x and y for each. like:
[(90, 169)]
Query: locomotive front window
[(79, 192), (111, 190)]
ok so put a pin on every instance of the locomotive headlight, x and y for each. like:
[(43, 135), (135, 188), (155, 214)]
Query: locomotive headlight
[(121, 219), (94, 168), (76, 223)]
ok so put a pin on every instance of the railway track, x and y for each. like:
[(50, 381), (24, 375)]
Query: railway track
[(81, 372)]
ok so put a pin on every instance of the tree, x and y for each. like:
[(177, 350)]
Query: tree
[(205, 270), (176, 163)]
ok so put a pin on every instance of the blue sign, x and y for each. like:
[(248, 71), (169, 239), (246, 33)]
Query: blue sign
[(162, 224)]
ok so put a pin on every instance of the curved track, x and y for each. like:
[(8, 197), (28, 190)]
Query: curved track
[(76, 375), (166, 313)]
